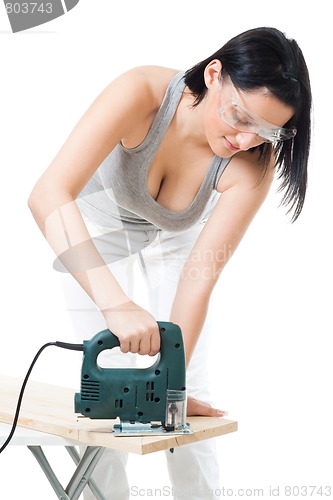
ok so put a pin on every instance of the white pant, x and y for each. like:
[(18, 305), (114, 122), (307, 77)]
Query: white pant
[(159, 256)]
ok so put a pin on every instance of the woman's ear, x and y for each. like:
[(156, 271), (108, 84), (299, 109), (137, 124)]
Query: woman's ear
[(212, 73)]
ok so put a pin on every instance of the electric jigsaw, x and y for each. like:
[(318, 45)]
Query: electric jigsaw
[(146, 400)]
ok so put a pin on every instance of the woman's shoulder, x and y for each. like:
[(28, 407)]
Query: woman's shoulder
[(245, 170), (149, 81), (133, 98), (153, 73)]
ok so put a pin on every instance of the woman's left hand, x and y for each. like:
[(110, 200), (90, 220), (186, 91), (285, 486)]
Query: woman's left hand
[(198, 408)]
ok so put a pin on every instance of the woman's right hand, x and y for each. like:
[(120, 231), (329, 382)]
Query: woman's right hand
[(136, 329)]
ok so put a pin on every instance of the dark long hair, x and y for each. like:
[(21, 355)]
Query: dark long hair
[(265, 57)]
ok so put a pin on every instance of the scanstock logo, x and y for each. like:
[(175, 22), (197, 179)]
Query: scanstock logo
[(23, 15)]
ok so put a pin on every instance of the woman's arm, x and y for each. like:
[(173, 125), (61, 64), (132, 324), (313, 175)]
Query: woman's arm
[(244, 190), (123, 112)]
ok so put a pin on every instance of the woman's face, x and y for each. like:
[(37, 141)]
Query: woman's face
[(235, 120)]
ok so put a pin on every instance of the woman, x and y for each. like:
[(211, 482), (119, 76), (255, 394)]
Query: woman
[(167, 169)]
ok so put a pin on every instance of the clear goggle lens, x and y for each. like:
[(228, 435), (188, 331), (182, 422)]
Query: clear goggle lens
[(240, 119)]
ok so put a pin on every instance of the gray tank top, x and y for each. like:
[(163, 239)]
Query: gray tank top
[(117, 193)]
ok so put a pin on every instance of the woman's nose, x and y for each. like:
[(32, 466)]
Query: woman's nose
[(247, 140)]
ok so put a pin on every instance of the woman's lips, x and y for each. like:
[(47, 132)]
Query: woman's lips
[(230, 145)]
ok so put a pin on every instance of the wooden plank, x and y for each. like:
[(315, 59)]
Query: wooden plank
[(29, 437), (49, 408)]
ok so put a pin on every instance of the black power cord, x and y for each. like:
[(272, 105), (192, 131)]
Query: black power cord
[(63, 345)]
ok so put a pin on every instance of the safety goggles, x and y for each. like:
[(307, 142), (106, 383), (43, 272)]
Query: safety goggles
[(244, 121)]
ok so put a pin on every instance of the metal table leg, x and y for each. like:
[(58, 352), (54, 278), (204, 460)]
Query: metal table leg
[(81, 476), (54, 481), (91, 483), (83, 472)]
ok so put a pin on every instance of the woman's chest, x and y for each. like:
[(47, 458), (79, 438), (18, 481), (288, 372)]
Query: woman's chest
[(176, 173)]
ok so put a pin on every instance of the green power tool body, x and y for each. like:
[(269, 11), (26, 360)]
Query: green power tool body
[(146, 400)]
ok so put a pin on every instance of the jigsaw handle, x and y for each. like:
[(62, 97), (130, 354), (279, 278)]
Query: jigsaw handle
[(108, 340), (101, 341)]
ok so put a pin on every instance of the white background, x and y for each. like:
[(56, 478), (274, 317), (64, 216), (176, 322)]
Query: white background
[(271, 362)]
